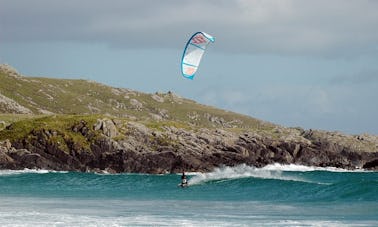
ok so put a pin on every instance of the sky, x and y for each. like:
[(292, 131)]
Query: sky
[(309, 64)]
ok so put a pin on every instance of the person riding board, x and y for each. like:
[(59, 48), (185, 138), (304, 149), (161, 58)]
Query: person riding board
[(184, 181)]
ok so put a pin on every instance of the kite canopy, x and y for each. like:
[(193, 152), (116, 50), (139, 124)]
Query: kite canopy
[(194, 49)]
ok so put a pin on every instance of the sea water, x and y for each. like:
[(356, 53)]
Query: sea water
[(276, 195)]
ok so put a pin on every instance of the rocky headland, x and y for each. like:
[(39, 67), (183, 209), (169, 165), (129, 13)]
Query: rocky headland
[(78, 125), (119, 145)]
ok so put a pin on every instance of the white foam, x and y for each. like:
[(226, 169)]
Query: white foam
[(302, 168), (190, 173), (37, 171), (242, 171), (48, 219), (75, 212), (271, 171)]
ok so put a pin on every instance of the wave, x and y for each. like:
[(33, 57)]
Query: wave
[(36, 171), (240, 171), (302, 168), (244, 171), (272, 171)]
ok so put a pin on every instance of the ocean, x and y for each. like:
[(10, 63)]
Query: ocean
[(276, 195)]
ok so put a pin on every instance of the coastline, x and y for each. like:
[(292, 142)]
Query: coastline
[(96, 145)]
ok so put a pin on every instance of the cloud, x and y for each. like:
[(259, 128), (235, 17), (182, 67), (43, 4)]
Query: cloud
[(246, 26), (320, 107), (365, 77)]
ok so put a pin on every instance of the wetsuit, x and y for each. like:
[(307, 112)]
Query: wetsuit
[(184, 181)]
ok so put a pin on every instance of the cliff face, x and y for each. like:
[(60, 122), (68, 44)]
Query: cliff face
[(119, 145)]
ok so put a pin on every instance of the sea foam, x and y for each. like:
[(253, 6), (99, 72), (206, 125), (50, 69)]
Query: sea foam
[(302, 168), (271, 171), (36, 171), (242, 171)]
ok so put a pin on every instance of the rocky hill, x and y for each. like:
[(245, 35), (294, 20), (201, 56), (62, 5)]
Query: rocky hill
[(34, 95), (81, 125)]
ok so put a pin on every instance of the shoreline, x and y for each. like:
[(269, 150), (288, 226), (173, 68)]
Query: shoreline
[(276, 167), (93, 144)]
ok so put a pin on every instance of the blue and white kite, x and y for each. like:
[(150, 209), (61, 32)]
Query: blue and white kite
[(194, 49)]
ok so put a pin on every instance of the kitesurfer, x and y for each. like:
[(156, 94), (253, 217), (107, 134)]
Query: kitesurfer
[(184, 181)]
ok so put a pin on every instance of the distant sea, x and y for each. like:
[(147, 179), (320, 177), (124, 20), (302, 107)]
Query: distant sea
[(276, 195)]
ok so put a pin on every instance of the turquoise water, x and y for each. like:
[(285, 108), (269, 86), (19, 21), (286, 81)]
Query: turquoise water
[(276, 195)]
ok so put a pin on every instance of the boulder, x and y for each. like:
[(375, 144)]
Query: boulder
[(109, 129), (107, 126), (5, 160)]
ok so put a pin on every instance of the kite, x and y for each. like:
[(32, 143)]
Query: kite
[(194, 49)]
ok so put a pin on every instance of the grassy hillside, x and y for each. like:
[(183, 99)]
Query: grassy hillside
[(53, 104), (40, 96)]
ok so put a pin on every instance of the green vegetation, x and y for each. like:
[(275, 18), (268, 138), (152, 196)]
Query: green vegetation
[(63, 96), (7, 119), (57, 129), (160, 125), (52, 106)]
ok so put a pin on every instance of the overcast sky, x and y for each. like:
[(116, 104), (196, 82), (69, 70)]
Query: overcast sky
[(312, 64)]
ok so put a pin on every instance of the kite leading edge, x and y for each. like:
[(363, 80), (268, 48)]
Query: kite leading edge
[(193, 51)]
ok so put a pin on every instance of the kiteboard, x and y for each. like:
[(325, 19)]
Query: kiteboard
[(183, 185)]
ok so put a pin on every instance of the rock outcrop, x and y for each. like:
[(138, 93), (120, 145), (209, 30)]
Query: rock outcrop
[(116, 146), (121, 130)]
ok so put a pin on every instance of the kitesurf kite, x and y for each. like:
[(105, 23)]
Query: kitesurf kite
[(193, 52)]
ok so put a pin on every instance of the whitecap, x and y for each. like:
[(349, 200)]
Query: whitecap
[(24, 171), (302, 168), (243, 171)]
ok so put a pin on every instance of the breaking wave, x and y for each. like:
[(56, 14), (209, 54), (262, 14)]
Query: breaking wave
[(272, 171), (24, 171), (302, 168)]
